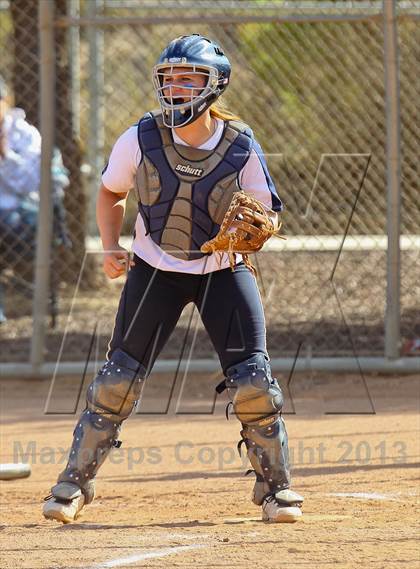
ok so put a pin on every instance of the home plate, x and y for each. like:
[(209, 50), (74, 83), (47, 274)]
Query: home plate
[(14, 471)]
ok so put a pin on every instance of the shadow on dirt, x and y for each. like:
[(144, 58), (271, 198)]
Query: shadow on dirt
[(309, 471)]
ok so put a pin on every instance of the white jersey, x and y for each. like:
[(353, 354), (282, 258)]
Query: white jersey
[(119, 177)]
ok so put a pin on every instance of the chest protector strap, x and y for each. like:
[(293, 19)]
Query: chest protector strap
[(183, 192)]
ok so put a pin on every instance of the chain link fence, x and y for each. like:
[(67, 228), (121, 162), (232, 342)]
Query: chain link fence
[(309, 79)]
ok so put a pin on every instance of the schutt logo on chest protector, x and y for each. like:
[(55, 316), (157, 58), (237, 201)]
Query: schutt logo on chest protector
[(189, 170)]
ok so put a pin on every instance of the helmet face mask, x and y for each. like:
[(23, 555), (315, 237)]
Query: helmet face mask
[(182, 102), (192, 72)]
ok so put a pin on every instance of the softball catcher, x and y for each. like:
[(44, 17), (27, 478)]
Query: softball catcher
[(205, 201)]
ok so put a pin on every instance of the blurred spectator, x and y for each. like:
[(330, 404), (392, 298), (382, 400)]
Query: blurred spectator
[(20, 158)]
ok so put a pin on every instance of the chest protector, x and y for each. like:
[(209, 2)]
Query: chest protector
[(183, 192)]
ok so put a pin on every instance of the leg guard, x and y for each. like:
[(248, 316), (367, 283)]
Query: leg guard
[(257, 401), (110, 399)]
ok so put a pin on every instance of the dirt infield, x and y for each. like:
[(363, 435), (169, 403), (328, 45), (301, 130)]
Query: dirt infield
[(174, 494)]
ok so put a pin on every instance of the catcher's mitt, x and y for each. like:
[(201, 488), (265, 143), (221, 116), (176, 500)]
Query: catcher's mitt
[(246, 226)]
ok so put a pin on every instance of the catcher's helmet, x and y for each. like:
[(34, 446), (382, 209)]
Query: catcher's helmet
[(195, 55)]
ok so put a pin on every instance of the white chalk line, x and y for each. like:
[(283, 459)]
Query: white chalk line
[(121, 561), (391, 497), (364, 495)]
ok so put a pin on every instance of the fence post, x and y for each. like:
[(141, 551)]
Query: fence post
[(44, 224), (74, 61), (96, 133), (393, 172)]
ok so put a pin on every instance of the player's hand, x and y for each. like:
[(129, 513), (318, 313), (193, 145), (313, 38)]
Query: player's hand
[(115, 262)]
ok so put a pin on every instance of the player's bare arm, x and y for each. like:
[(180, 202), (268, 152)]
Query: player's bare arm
[(110, 214)]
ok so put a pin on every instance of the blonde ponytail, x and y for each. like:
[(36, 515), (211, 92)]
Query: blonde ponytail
[(219, 111)]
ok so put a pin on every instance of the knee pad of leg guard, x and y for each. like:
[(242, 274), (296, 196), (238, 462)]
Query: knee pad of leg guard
[(117, 387), (254, 393)]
